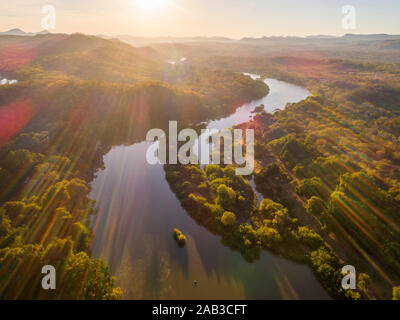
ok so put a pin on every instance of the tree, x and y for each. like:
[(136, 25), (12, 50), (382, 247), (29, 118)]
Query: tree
[(179, 237), (226, 197), (4, 179), (268, 236), (33, 141), (214, 171), (5, 226), (268, 208), (294, 152), (77, 189), (228, 219), (396, 293), (20, 159), (19, 209), (312, 187), (87, 278), (327, 268), (364, 280), (309, 237), (315, 206)]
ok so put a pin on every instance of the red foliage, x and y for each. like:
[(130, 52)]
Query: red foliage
[(14, 57), (311, 67), (13, 117)]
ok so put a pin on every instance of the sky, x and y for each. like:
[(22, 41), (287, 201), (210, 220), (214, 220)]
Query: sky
[(228, 18)]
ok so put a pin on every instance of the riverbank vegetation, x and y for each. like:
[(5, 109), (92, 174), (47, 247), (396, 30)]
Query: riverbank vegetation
[(225, 204), (333, 161), (328, 169), (78, 96)]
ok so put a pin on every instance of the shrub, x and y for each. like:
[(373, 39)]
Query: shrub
[(228, 219), (315, 206), (179, 237), (396, 293), (226, 197), (309, 237), (312, 187)]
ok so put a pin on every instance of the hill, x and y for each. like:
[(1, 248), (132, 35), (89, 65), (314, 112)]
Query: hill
[(77, 55), (19, 32)]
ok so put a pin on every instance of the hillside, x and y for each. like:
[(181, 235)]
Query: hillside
[(76, 55), (77, 97)]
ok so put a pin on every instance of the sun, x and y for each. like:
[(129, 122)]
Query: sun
[(150, 5)]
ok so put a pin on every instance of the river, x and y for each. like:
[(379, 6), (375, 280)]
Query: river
[(137, 212)]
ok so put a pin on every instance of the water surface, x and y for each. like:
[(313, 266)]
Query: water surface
[(137, 212)]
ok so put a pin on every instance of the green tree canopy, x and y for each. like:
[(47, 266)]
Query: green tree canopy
[(228, 219)]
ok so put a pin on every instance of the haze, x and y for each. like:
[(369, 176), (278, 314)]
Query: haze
[(230, 18)]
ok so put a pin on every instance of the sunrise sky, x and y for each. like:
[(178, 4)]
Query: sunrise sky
[(230, 18)]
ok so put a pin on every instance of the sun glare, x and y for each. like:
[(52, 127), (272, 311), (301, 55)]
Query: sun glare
[(150, 4)]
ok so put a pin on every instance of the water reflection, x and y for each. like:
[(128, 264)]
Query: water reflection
[(137, 212)]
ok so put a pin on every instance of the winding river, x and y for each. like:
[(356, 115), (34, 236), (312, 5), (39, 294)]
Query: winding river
[(137, 212)]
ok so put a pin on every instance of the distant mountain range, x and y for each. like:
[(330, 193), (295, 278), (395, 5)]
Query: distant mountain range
[(372, 37), (146, 41), (126, 38), (19, 32), (321, 36), (349, 36)]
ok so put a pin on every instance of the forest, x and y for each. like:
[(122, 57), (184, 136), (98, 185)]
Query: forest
[(328, 167), (56, 124)]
